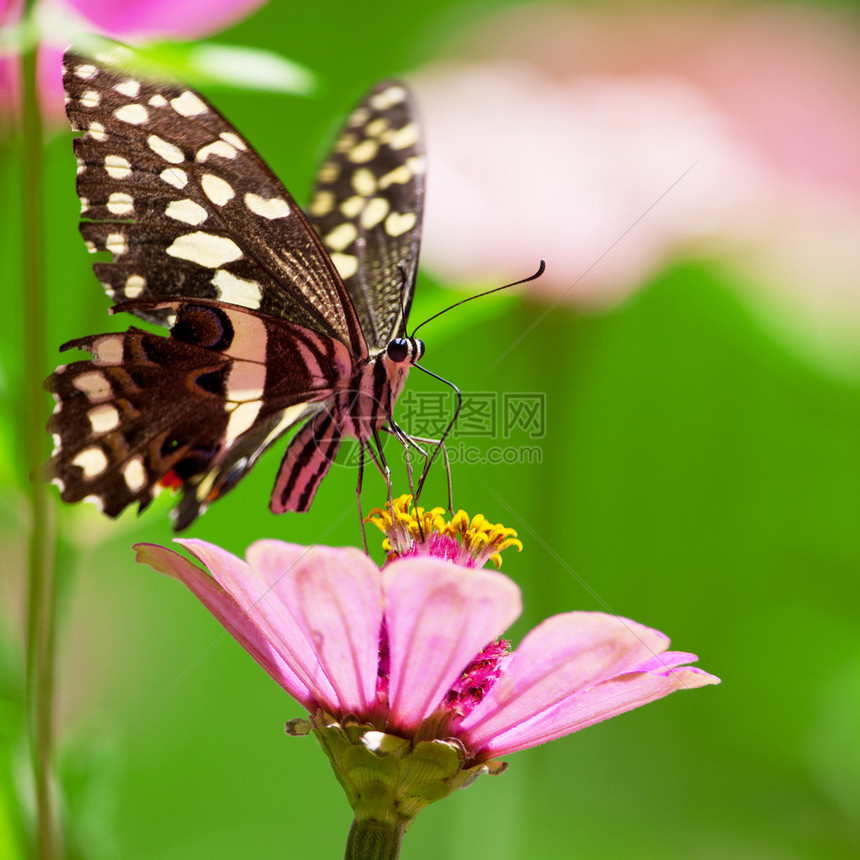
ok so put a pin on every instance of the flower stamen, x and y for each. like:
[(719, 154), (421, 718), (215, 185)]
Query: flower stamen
[(411, 531)]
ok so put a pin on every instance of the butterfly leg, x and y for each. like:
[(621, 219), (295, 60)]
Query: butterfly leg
[(379, 461), (439, 444), (413, 441), (395, 430), (358, 497)]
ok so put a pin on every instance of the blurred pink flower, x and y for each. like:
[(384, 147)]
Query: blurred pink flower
[(59, 21), (567, 124)]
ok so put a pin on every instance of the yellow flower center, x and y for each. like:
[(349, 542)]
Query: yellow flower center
[(413, 530)]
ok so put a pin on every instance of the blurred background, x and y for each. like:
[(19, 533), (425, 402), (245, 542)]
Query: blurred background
[(670, 418)]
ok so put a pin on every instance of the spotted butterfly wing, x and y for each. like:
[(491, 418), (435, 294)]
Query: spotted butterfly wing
[(272, 320)]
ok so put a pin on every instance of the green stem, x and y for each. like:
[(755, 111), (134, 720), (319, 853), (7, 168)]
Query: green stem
[(373, 840), (41, 608)]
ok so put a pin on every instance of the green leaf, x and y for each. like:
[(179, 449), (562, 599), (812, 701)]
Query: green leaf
[(206, 64)]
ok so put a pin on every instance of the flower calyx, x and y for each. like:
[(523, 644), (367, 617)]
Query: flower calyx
[(388, 778)]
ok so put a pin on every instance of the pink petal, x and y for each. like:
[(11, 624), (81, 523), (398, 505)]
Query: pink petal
[(153, 19), (439, 617), (336, 599), (560, 657), (291, 592), (238, 623), (596, 704)]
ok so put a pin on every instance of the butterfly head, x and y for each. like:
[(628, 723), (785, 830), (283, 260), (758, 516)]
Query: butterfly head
[(405, 350)]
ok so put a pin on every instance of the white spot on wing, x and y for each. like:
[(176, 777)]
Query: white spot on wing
[(186, 211), (103, 418), (86, 71), (205, 249), (374, 212), (400, 175), (97, 131), (134, 474), (134, 286), (364, 152), (403, 137), (98, 501), (364, 182), (341, 237), (175, 176), (388, 97), (188, 104), (92, 460), (322, 203), (242, 418), (377, 126), (397, 224), (108, 350), (166, 150), (116, 244), (274, 208), (120, 204), (217, 147), (233, 139), (117, 167), (128, 88), (90, 99), (237, 291), (346, 264), (415, 165), (134, 114), (352, 205), (359, 116), (329, 172), (158, 100), (218, 190)]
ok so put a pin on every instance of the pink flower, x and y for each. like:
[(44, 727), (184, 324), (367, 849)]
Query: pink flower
[(61, 21), (554, 128), (406, 662)]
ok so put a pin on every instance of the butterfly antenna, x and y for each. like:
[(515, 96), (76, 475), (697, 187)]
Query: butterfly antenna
[(402, 269), (535, 276)]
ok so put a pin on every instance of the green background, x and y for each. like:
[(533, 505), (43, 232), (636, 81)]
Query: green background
[(697, 475)]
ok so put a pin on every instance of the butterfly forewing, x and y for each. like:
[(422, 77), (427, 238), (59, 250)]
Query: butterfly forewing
[(187, 208), (367, 206)]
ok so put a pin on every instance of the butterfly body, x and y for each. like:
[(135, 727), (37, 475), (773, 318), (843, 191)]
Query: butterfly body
[(275, 316)]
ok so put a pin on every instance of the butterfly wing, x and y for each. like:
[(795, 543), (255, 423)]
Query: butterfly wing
[(367, 206), (193, 410), (264, 329), (187, 208)]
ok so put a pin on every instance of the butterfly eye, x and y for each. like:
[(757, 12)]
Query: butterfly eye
[(398, 349)]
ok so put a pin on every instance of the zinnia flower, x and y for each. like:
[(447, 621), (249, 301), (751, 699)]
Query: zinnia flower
[(408, 687)]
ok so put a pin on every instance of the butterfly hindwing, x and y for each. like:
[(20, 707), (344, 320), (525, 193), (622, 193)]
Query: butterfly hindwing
[(367, 207), (193, 410)]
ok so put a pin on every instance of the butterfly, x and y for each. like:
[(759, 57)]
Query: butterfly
[(276, 316)]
